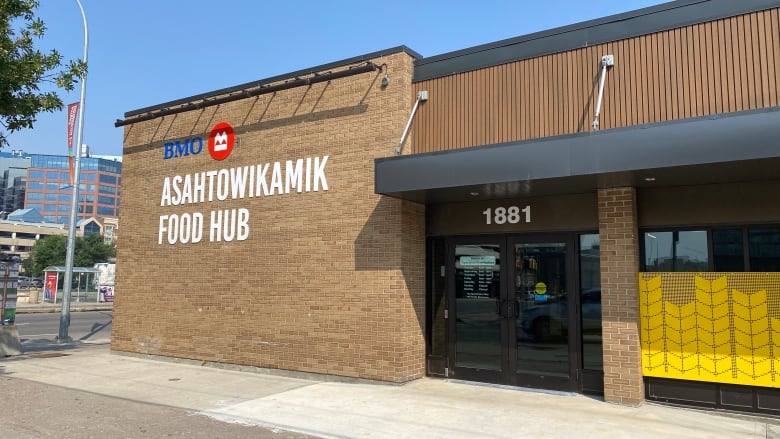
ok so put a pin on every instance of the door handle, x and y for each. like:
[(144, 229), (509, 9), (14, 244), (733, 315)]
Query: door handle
[(501, 308), (512, 309), (507, 308)]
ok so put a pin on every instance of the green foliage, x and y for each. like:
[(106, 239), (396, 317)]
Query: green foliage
[(45, 252), (91, 249), (23, 68), (51, 251)]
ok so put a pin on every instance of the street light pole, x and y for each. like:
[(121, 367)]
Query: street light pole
[(74, 205)]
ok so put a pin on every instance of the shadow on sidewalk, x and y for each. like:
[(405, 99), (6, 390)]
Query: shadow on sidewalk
[(96, 328), (42, 348)]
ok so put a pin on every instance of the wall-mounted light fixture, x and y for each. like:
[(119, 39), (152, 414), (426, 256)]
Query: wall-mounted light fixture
[(385, 79)]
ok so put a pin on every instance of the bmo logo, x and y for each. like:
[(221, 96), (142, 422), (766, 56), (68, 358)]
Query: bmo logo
[(221, 141)]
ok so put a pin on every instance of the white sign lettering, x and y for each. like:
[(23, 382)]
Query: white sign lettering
[(504, 215), (255, 181), (246, 181)]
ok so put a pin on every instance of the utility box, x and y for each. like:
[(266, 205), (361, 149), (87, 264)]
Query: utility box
[(9, 275)]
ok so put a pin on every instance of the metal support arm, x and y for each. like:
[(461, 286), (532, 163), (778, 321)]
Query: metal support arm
[(606, 61), (421, 97)]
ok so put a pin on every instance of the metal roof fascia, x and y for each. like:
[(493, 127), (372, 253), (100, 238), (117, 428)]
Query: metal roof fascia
[(282, 77), (644, 21)]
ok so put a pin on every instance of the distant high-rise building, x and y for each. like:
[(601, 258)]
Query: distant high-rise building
[(49, 188), (13, 176)]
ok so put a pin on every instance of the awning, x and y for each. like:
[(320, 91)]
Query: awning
[(61, 269), (723, 148)]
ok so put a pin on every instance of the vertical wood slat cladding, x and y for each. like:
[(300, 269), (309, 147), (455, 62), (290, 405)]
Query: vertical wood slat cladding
[(721, 66)]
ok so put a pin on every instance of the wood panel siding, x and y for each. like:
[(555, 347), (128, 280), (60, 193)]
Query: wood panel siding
[(721, 66)]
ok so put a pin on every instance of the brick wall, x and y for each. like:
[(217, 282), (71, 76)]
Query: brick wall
[(620, 296), (326, 282)]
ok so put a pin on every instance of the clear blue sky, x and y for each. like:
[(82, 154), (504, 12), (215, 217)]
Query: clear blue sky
[(146, 52)]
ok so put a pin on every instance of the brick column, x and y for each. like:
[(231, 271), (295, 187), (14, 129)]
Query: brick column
[(620, 296)]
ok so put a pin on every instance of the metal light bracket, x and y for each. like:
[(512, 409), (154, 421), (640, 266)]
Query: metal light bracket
[(606, 62), (421, 97)]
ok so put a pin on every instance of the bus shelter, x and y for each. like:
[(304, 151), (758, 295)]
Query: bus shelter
[(83, 284)]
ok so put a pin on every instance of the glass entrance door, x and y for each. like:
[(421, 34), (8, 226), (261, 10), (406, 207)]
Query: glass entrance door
[(479, 327), (540, 295), (509, 299)]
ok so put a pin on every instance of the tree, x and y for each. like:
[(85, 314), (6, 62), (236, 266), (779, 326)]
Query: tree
[(23, 68), (51, 251), (45, 252), (91, 249)]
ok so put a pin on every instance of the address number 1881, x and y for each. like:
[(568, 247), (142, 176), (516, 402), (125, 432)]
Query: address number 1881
[(503, 215)]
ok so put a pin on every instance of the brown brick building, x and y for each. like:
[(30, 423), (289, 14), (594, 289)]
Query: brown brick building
[(590, 209)]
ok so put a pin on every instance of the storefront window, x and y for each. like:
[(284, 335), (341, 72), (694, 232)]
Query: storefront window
[(436, 309), (734, 249), (676, 251), (728, 251), (590, 301), (764, 249)]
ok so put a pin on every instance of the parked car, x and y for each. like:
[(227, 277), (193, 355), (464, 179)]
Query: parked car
[(36, 282), (549, 321), (23, 282)]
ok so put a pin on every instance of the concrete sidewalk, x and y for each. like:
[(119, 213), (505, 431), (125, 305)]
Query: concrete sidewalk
[(426, 408)]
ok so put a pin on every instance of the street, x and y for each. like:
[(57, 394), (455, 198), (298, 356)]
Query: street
[(93, 326)]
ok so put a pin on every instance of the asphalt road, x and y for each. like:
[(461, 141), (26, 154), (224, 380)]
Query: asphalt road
[(91, 326)]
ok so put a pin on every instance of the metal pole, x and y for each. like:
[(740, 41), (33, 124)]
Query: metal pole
[(74, 205), (4, 297)]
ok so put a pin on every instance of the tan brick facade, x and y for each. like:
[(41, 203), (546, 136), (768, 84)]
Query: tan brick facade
[(327, 282), (620, 295)]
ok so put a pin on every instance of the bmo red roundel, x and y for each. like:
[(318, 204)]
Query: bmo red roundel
[(221, 141)]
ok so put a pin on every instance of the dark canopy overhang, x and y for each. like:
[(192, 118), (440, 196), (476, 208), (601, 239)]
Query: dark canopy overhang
[(724, 148)]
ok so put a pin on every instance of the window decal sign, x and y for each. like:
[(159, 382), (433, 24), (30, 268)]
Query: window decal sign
[(477, 261)]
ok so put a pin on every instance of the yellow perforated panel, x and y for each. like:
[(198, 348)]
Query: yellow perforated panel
[(716, 327)]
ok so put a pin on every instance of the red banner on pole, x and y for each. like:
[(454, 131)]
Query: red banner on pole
[(73, 111), (71, 171)]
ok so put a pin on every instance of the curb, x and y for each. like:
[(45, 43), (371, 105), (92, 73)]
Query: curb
[(56, 309)]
